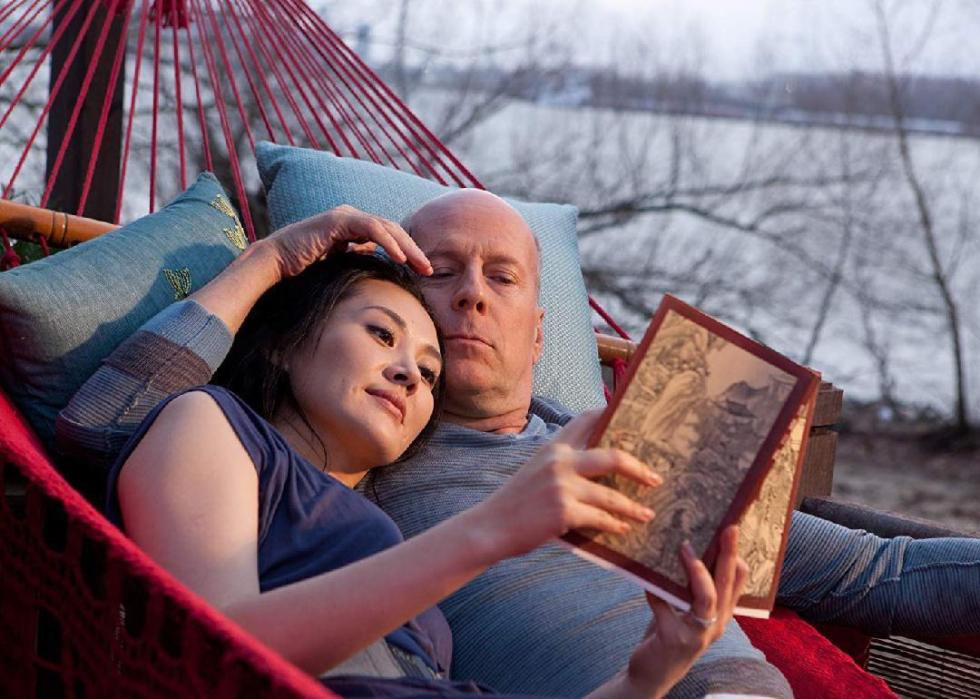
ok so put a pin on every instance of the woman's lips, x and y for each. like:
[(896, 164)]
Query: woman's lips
[(390, 401)]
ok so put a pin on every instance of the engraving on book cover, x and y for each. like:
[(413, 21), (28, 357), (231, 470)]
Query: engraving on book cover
[(697, 405), (761, 527)]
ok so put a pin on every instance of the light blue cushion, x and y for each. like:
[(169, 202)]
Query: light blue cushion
[(62, 315), (300, 182)]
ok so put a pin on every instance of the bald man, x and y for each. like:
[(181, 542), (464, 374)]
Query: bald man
[(548, 622)]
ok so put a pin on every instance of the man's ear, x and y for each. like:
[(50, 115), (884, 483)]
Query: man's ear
[(538, 335)]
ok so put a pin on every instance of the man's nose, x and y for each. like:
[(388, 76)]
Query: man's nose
[(471, 294)]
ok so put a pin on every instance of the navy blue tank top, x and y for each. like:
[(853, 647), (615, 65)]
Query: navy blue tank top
[(309, 522)]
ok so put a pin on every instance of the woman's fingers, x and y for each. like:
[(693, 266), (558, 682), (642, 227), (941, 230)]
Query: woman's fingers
[(577, 432), (612, 501), (362, 248), (361, 230), (726, 567), (584, 516), (413, 254), (603, 462), (704, 596)]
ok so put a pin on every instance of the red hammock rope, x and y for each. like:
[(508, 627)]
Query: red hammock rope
[(275, 66)]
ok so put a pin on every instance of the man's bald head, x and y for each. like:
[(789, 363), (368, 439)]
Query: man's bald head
[(473, 209), (484, 294)]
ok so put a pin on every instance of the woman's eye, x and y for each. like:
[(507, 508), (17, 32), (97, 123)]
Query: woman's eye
[(428, 375), (383, 334)]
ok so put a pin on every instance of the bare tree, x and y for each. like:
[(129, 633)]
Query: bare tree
[(940, 270)]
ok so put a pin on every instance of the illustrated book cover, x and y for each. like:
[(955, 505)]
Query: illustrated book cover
[(724, 420)]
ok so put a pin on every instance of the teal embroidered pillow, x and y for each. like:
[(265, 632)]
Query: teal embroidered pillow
[(62, 315), (300, 182)]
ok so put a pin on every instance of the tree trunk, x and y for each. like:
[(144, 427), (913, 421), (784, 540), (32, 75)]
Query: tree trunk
[(67, 190)]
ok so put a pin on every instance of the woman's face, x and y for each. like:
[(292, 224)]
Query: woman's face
[(365, 384)]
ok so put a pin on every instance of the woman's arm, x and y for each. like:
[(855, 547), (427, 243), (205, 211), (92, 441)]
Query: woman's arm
[(287, 252), (183, 345), (188, 495)]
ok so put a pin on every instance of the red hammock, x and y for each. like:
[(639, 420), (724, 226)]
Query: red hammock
[(280, 58), (84, 612)]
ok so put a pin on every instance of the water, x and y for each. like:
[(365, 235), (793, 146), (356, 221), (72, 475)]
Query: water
[(754, 222)]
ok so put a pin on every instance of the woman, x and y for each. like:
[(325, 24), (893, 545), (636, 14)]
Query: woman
[(248, 502)]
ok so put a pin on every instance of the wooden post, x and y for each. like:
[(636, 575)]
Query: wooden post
[(67, 190), (817, 477)]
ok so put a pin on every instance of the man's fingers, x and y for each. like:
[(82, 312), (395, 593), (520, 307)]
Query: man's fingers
[(602, 462)]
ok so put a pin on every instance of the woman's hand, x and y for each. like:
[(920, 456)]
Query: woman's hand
[(290, 250), (300, 244), (675, 640), (555, 492)]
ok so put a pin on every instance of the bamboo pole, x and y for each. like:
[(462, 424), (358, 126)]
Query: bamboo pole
[(611, 348), (61, 230)]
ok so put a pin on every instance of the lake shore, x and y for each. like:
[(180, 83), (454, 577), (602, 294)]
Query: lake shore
[(905, 475)]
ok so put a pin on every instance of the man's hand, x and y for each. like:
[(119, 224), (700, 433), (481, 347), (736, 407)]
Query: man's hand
[(298, 245)]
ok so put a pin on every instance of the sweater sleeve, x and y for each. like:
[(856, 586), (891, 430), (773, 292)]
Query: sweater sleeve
[(180, 347)]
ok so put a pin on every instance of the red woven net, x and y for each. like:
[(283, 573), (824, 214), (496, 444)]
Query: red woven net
[(84, 613)]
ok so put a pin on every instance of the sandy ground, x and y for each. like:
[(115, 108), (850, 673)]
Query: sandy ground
[(899, 475)]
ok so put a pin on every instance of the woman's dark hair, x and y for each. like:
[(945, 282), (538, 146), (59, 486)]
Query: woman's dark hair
[(293, 311)]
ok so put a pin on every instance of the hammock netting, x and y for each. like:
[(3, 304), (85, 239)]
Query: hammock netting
[(154, 91), (205, 80)]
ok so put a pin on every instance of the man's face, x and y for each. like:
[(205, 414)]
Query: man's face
[(484, 293)]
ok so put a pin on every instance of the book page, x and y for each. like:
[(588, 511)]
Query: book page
[(698, 410), (761, 527)]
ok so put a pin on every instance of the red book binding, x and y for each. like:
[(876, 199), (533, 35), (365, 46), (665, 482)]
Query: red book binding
[(723, 419)]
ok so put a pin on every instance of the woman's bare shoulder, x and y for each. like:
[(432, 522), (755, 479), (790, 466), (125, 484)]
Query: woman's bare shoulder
[(191, 439), (188, 494)]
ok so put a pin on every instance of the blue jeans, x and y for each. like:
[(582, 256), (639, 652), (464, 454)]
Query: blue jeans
[(881, 586), (850, 577)]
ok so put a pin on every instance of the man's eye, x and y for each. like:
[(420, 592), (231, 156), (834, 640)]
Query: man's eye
[(383, 334), (504, 279)]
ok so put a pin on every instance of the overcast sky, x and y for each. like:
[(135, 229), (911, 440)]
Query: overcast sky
[(728, 38)]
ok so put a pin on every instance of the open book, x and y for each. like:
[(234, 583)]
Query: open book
[(724, 420)]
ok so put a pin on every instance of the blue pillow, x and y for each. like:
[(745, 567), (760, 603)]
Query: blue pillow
[(62, 315), (300, 182)]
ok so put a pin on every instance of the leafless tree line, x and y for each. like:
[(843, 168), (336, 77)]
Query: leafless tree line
[(854, 252)]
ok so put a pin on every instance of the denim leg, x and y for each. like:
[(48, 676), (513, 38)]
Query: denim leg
[(881, 586)]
